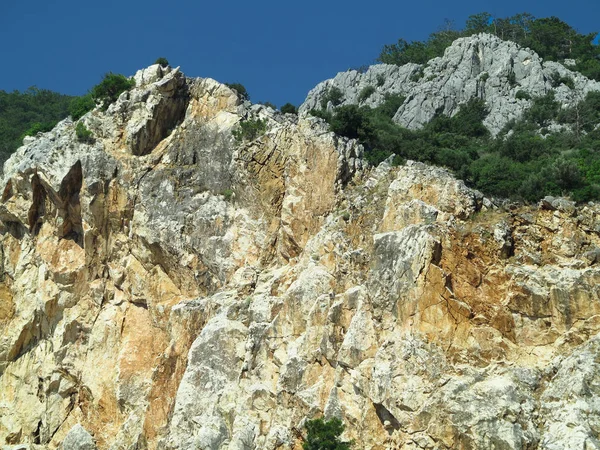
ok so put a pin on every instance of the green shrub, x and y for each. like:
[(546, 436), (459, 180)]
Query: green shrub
[(522, 95), (79, 106), (556, 80), (250, 129), (227, 194), (288, 108), (39, 127), (333, 95), (419, 73), (270, 105), (484, 76), (240, 89), (391, 104), (82, 133), (321, 114), (380, 79), (325, 435), (512, 79), (109, 89), (543, 110), (162, 61), (365, 93)]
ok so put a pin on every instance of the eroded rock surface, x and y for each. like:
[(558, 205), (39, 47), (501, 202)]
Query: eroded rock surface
[(170, 287)]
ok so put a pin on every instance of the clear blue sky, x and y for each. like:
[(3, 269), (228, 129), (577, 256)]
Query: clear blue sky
[(278, 49)]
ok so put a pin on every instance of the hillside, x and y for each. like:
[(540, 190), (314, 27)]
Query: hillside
[(177, 280), (27, 113), (506, 121), (183, 269)]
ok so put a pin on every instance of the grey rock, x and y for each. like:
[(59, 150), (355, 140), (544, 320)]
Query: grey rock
[(481, 66), (78, 439)]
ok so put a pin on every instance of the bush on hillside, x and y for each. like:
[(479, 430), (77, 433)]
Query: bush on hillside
[(240, 89), (288, 108), (82, 133), (250, 129), (325, 435), (162, 61), (110, 88)]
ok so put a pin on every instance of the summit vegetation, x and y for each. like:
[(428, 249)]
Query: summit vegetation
[(549, 37), (551, 150)]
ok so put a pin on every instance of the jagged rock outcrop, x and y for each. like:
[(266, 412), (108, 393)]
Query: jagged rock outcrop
[(481, 66), (199, 292)]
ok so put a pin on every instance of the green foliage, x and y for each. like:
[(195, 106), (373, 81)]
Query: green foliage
[(162, 61), (543, 110), (270, 105), (240, 89), (250, 129), (333, 95), (325, 435), (380, 79), (39, 127), (550, 37), (522, 95), (417, 75), (109, 89), (321, 114), (79, 106), (288, 108), (20, 111), (556, 80), (82, 133), (365, 93), (519, 163), (484, 77), (227, 194)]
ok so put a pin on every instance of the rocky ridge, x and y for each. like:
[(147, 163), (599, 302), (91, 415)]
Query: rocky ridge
[(165, 286), (480, 66)]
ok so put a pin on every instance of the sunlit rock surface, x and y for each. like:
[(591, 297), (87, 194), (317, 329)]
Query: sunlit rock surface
[(166, 286)]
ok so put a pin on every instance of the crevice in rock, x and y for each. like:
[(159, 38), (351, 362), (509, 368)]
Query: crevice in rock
[(37, 433), (37, 211), (166, 116), (387, 419), (15, 229), (70, 207)]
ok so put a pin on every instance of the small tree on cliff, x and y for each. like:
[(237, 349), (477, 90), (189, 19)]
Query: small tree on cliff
[(325, 435)]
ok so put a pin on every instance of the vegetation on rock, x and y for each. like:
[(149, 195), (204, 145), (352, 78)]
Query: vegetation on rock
[(240, 89), (249, 129), (109, 89), (519, 163), (162, 61), (325, 435), (82, 133), (551, 38), (288, 108)]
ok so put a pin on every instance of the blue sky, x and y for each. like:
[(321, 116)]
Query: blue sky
[(278, 49)]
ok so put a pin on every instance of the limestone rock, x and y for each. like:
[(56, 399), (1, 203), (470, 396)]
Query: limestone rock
[(181, 289), (78, 439), (480, 66)]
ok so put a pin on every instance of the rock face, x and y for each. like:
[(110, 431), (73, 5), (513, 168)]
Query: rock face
[(166, 286), (481, 66)]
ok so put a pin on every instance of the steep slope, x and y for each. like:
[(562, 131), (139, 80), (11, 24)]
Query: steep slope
[(481, 66), (166, 286)]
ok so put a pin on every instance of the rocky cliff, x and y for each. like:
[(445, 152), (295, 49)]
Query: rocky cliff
[(503, 74), (166, 286)]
